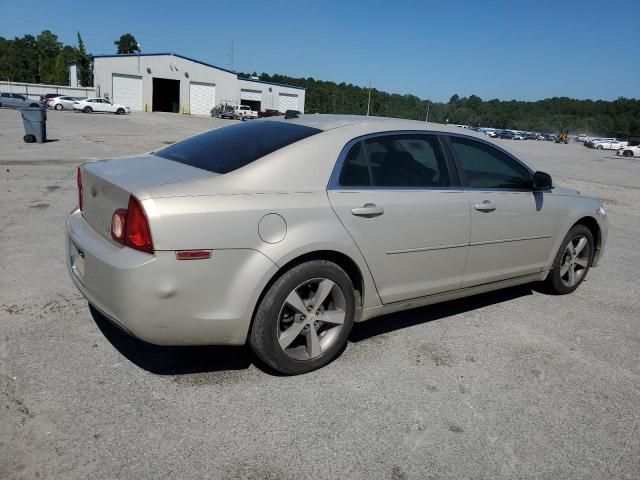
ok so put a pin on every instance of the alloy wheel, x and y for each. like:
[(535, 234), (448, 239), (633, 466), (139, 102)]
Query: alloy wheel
[(311, 318), (575, 261)]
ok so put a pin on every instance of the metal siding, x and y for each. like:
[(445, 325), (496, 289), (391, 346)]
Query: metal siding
[(227, 84)]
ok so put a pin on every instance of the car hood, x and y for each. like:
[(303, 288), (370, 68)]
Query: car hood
[(566, 192)]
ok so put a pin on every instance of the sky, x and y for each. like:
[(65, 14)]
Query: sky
[(433, 49)]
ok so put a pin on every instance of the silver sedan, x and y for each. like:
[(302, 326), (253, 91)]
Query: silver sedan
[(281, 233)]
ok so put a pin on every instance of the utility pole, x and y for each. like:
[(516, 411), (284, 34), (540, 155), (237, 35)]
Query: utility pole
[(230, 54), (428, 105), (369, 100)]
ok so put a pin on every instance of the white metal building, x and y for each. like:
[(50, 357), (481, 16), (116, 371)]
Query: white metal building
[(168, 82)]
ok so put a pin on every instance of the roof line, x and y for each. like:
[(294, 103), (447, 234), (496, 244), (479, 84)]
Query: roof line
[(271, 83), (165, 54), (195, 61)]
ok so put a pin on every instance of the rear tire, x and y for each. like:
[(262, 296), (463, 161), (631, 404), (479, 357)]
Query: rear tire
[(303, 321), (599, 147), (87, 109), (572, 261)]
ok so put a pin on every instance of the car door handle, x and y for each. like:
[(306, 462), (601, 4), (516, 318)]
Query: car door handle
[(369, 210), (485, 206)]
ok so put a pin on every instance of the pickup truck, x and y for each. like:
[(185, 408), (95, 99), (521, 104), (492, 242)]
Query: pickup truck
[(244, 112)]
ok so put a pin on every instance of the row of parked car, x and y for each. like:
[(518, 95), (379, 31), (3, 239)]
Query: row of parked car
[(63, 102), (513, 135), (244, 112)]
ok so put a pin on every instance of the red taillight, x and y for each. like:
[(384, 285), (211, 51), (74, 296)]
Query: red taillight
[(131, 228), (79, 180)]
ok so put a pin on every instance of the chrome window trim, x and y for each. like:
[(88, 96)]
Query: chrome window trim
[(334, 182)]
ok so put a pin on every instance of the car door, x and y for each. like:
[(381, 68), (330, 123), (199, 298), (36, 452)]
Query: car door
[(395, 195), (512, 226)]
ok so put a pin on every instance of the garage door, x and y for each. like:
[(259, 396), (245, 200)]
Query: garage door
[(253, 95), (202, 98), (287, 101), (127, 90)]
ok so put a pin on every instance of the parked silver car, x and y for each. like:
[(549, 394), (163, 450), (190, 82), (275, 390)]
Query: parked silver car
[(16, 100), (283, 232), (64, 102)]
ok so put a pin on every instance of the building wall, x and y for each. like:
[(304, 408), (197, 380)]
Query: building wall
[(173, 67), (34, 90), (162, 66), (271, 92)]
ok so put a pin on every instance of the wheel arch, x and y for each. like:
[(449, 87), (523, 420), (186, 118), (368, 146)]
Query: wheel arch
[(593, 226), (341, 259)]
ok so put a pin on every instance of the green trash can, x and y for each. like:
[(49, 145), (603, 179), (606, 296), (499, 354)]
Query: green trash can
[(35, 124)]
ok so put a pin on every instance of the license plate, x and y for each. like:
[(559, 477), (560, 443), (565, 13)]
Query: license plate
[(77, 259)]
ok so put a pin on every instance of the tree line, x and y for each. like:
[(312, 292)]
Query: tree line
[(44, 59), (620, 117)]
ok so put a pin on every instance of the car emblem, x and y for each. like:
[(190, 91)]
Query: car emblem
[(94, 191)]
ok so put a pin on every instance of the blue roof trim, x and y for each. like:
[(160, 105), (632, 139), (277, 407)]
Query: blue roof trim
[(272, 83), (195, 61), (165, 54)]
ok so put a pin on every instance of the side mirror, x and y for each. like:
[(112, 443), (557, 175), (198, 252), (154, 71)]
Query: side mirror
[(542, 181)]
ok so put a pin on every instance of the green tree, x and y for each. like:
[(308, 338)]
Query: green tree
[(48, 48), (84, 64), (127, 44), (61, 73)]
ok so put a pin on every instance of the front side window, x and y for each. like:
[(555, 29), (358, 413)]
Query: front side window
[(486, 167), (411, 160)]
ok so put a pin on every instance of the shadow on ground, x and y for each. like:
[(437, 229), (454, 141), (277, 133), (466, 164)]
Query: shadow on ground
[(409, 318), (173, 360), (188, 360)]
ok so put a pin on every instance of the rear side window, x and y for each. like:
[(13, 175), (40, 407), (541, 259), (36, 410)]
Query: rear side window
[(413, 160), (486, 167), (229, 148)]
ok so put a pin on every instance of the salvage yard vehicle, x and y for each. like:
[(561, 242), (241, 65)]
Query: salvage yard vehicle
[(63, 102), (608, 144), (283, 233), (633, 151), (91, 105), (224, 110), (244, 112), (270, 112), (15, 100)]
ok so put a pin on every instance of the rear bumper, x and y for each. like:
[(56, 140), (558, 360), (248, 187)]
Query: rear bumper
[(165, 301)]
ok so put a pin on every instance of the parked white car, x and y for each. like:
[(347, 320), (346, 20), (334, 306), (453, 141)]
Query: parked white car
[(609, 144), (63, 102), (244, 112), (626, 151), (100, 105)]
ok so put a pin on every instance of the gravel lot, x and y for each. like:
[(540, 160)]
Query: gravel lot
[(515, 384)]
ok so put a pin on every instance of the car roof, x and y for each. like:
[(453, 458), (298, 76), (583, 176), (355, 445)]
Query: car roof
[(370, 123)]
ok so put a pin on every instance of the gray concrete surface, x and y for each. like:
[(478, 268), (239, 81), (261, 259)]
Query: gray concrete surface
[(515, 384)]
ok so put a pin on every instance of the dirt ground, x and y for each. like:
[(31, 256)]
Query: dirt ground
[(513, 384)]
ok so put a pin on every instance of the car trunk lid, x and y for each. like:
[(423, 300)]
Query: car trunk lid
[(107, 184)]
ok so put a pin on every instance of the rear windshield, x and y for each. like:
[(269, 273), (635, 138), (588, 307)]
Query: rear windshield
[(227, 149)]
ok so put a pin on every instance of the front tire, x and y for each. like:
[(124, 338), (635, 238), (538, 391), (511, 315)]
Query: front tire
[(572, 261), (87, 109), (120, 111), (599, 147), (304, 319), (58, 107), (627, 153)]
